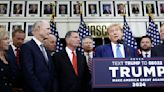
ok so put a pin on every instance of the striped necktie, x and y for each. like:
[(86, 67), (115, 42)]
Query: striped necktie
[(89, 62)]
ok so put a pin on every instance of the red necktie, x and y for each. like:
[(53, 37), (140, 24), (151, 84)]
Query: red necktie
[(17, 55), (74, 63)]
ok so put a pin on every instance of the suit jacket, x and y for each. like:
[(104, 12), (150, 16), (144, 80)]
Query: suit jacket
[(157, 51), (142, 56), (16, 69), (106, 51), (68, 80), (39, 75)]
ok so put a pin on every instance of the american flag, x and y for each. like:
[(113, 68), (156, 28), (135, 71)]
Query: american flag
[(83, 30), (59, 45), (127, 35), (153, 32)]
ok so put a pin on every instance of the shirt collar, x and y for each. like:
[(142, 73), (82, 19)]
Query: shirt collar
[(148, 52), (13, 47), (69, 50), (90, 53), (37, 41)]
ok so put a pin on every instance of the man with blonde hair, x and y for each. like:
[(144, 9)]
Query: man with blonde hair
[(116, 48)]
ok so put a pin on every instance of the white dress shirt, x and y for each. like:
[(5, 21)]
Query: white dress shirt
[(14, 49), (37, 42), (69, 52), (148, 53), (90, 54)]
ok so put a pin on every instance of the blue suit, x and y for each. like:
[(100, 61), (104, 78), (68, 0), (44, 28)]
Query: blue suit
[(16, 69), (39, 75), (106, 51)]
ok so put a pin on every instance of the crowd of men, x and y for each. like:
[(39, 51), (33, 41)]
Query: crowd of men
[(34, 66)]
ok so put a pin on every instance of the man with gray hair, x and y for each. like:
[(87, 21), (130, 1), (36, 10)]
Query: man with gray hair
[(72, 70), (37, 66), (87, 45)]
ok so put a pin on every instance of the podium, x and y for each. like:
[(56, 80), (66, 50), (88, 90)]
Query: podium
[(127, 72)]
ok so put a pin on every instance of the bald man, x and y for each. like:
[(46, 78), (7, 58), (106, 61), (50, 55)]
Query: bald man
[(50, 43)]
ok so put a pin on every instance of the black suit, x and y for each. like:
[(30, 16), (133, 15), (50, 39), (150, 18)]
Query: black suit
[(68, 80), (16, 68), (157, 51), (39, 75)]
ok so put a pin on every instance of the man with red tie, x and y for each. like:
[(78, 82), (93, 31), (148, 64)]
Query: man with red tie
[(13, 54), (72, 70)]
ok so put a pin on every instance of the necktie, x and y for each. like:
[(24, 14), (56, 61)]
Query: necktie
[(44, 53), (89, 62), (17, 55), (118, 52), (146, 55), (74, 63)]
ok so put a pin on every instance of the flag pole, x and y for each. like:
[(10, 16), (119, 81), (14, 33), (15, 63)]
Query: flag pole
[(53, 11)]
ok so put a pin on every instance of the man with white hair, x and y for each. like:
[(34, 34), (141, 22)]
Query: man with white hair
[(37, 66)]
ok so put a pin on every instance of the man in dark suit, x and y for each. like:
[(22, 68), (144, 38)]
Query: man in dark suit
[(109, 50), (37, 66), (107, 9), (50, 43), (115, 49), (62, 9), (47, 9), (33, 8), (145, 47), (157, 51), (87, 45), (72, 70), (17, 9), (92, 9), (18, 37)]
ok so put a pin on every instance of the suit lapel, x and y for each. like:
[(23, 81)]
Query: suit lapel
[(69, 62), (12, 56), (40, 52), (110, 49), (79, 62)]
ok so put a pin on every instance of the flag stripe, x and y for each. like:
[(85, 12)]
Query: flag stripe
[(59, 45), (83, 31), (153, 32), (128, 36)]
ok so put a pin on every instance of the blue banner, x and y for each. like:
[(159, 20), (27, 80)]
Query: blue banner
[(128, 72)]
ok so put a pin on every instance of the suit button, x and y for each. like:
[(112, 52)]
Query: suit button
[(5, 84), (2, 69)]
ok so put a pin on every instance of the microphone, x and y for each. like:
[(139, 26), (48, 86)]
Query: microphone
[(120, 41)]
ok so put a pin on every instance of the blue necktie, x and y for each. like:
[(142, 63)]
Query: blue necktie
[(118, 52)]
